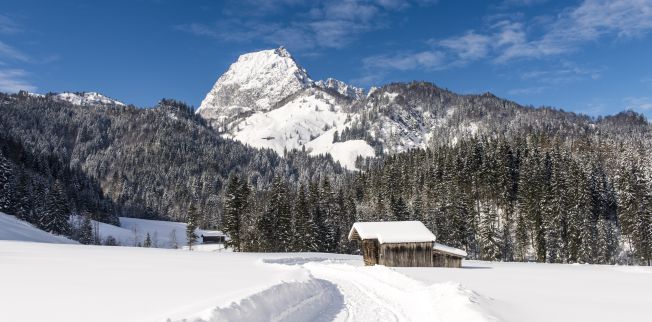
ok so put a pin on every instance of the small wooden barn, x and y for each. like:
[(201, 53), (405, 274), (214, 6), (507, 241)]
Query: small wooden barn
[(403, 244), (394, 243), (212, 237)]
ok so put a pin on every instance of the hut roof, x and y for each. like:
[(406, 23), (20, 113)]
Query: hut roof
[(211, 233), (392, 232), (448, 250)]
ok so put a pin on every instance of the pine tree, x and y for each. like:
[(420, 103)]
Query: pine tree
[(191, 226), (236, 198), (400, 210), (489, 235), (173, 239), (86, 231), (305, 229), (276, 223), (6, 184), (148, 241), (56, 217), (23, 204), (521, 238)]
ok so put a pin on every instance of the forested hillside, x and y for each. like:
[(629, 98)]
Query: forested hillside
[(115, 160), (566, 188)]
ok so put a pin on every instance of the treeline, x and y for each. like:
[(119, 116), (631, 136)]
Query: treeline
[(511, 200), (315, 217)]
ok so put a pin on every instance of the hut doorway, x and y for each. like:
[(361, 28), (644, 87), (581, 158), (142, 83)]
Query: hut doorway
[(370, 251)]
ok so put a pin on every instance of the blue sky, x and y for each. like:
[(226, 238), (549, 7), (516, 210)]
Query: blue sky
[(587, 56)]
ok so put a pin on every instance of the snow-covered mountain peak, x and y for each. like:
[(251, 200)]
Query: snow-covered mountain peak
[(342, 88), (86, 99), (255, 82), (281, 51)]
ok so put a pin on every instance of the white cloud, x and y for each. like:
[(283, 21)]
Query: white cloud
[(470, 46), (406, 61), (565, 73), (639, 103), (315, 24), (8, 26), (12, 53), (507, 39), (590, 21), (13, 80)]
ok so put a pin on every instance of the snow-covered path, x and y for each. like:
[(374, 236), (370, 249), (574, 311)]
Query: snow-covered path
[(382, 294)]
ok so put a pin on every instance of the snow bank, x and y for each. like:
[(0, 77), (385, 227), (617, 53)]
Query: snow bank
[(312, 300), (12, 228)]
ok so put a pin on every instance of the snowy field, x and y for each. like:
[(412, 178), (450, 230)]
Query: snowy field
[(46, 278), (57, 282)]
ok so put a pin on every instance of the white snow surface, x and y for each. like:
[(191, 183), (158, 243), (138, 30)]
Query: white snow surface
[(309, 121), (536, 292), (342, 88), (392, 231), (94, 283), (346, 153), (12, 228), (87, 99), (133, 231)]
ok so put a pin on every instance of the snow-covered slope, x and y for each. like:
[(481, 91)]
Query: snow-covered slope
[(12, 228), (308, 120), (87, 99), (342, 88), (267, 100), (256, 82), (133, 231)]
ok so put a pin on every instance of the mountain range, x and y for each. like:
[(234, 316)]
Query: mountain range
[(267, 100)]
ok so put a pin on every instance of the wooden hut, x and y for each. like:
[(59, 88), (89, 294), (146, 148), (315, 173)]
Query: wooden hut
[(394, 243), (446, 256), (212, 237), (403, 244)]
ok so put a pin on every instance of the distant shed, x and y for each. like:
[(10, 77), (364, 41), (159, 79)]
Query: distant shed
[(212, 237), (394, 243), (403, 244), (446, 256)]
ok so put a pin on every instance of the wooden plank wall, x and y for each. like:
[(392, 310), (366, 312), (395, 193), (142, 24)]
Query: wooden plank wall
[(445, 260), (406, 254)]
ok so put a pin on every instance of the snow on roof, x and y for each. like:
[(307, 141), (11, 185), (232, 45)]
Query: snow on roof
[(211, 233), (449, 250), (392, 232)]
